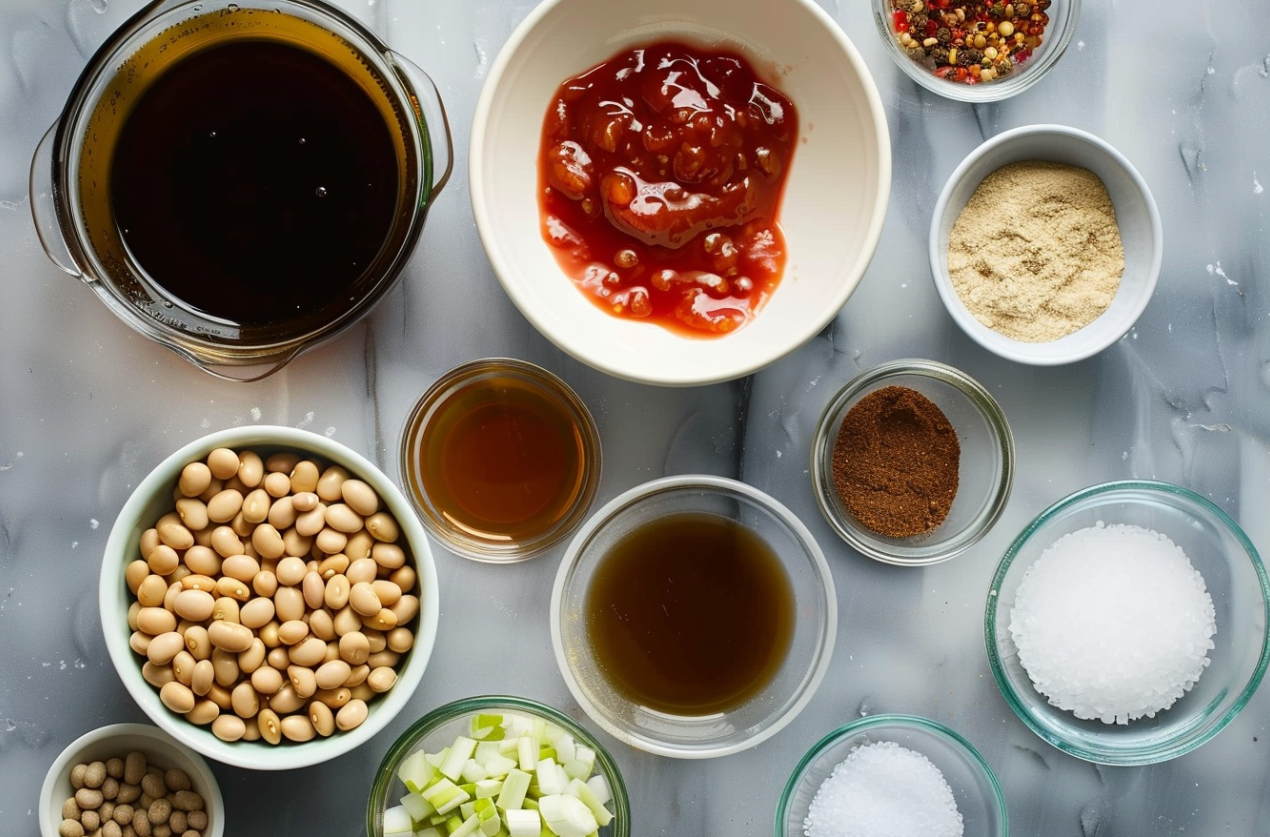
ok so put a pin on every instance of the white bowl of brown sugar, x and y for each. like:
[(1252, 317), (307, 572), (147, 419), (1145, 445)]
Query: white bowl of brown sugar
[(1045, 245)]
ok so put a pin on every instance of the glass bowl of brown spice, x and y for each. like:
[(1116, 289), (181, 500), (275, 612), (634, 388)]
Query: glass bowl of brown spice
[(912, 462)]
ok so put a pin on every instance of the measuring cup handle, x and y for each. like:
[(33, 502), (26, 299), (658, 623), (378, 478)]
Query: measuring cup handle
[(44, 206), (432, 109)]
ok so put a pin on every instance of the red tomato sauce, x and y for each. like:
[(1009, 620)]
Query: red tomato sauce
[(660, 178)]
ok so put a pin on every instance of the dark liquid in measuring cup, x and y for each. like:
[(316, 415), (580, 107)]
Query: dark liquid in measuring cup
[(690, 614), (502, 459), (255, 181)]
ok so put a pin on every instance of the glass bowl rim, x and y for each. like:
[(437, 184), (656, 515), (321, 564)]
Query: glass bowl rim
[(1169, 749), (714, 485), (986, 405), (385, 775), (982, 93), (912, 722), (550, 385)]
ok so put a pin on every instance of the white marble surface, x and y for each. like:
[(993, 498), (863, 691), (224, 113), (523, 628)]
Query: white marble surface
[(86, 407)]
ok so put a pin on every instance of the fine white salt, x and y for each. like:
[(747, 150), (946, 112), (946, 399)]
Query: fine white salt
[(1113, 623), (884, 790)]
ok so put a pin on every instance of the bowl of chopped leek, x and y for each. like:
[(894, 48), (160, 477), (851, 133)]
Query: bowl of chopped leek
[(497, 765)]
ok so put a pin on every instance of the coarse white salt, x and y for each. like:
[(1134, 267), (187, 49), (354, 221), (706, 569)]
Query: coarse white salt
[(1113, 623), (884, 790)]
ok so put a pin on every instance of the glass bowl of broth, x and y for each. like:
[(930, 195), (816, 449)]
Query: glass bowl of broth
[(693, 616)]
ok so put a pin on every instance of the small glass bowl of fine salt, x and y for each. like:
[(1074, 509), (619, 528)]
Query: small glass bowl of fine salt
[(886, 775), (1127, 624)]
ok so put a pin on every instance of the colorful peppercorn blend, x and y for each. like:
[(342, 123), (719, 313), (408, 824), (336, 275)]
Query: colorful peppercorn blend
[(969, 41)]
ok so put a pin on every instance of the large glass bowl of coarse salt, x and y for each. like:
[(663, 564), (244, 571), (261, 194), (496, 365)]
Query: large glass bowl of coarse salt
[(892, 774), (1127, 624)]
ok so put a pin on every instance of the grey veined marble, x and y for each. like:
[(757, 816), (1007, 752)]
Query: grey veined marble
[(87, 407)]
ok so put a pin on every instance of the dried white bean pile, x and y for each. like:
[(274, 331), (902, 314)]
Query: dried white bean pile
[(274, 601), (126, 797)]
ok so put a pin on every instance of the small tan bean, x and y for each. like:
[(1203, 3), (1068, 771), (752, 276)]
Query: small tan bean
[(110, 787), (135, 574), (223, 463), (330, 541), (332, 651), (253, 658), (304, 476), (202, 560), (172, 532), (91, 820), (277, 484), (311, 522), (156, 676), (155, 620), (381, 678), (148, 541), (243, 529), (227, 609), (360, 496), (332, 674), (387, 592), (139, 642), (354, 648), (194, 605), (240, 567), (114, 768), (359, 545), (291, 571), (203, 713), (159, 811), (169, 598), (245, 700), (298, 728), (229, 728), (164, 647), (187, 801), (95, 775), (401, 640), (288, 602), (378, 639), (134, 610), (220, 696), (278, 658), (322, 718), (233, 588), (193, 513), (337, 592), (177, 697), (362, 599), (257, 613), (71, 828), (406, 609), (194, 480), (351, 715), (283, 462), (268, 541), (309, 652), (183, 665), (197, 581), (177, 779), (383, 527), (342, 518), (229, 636), (334, 698), (163, 559), (270, 725), (333, 565), (226, 542), (134, 767), (285, 700), (140, 825), (293, 631), (390, 556), (70, 811), (321, 625), (346, 621), (405, 577), (111, 828), (266, 680), (265, 583), (384, 659), (330, 484), (269, 634), (226, 665), (152, 590), (77, 775), (198, 643), (363, 692), (294, 543), (203, 678), (282, 514), (251, 469), (302, 680), (362, 570)]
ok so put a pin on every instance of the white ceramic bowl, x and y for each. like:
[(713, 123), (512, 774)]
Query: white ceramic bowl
[(1136, 215), (116, 741), (153, 497), (834, 202)]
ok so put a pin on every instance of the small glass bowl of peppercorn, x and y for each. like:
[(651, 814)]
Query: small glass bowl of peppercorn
[(976, 50), (912, 462)]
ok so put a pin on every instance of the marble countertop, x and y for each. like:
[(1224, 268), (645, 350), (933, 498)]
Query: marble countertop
[(87, 407)]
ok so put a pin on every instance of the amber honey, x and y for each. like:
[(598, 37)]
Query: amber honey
[(690, 614), (501, 457)]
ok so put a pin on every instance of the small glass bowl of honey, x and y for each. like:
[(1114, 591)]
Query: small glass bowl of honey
[(501, 459)]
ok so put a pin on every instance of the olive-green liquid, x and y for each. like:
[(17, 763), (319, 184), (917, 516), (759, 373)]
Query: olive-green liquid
[(255, 181), (690, 614)]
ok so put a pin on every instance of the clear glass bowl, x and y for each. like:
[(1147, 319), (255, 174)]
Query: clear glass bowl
[(439, 728), (526, 393), (1063, 15), (718, 733), (973, 784), (986, 472), (1234, 576)]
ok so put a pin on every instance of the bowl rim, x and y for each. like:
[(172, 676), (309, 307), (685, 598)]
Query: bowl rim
[(524, 297), (868, 722), (714, 484), (213, 800), (900, 554), (409, 739), (1047, 353), (1165, 750), (981, 93), (542, 380), (127, 663)]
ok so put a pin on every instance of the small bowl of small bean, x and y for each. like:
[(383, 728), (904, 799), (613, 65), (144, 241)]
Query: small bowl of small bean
[(118, 773), (268, 597)]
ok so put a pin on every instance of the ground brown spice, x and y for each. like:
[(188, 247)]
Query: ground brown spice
[(895, 462)]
